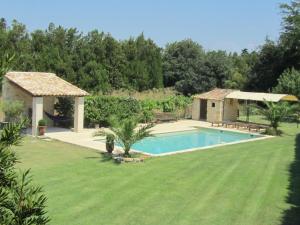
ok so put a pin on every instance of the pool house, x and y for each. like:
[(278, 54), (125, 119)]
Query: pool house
[(223, 104), (39, 92)]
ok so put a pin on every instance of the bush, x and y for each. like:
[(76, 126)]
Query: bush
[(13, 110), (110, 143), (289, 82), (64, 106), (147, 116), (42, 123), (98, 109), (273, 132)]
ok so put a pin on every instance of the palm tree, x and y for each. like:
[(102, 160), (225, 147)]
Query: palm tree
[(127, 132), (275, 112)]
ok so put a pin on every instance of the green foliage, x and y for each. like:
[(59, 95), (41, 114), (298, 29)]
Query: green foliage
[(64, 106), (146, 116), (11, 133), (100, 64), (21, 203), (94, 61), (267, 67), (192, 70), (169, 104), (273, 132), (289, 83), (27, 206), (290, 35), (98, 109), (275, 112), (127, 132), (13, 110), (110, 143), (5, 65), (42, 123)]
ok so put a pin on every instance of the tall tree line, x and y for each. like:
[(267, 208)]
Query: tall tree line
[(98, 62)]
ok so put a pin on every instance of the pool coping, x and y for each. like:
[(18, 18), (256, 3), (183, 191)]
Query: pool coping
[(263, 137)]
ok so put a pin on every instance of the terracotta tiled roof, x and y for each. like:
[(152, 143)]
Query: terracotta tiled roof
[(215, 94), (44, 84)]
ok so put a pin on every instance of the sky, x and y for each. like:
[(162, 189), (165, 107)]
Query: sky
[(230, 25)]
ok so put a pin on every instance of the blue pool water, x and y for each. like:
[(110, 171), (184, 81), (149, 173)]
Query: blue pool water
[(178, 141)]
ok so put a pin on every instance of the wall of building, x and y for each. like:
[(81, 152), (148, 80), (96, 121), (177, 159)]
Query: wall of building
[(231, 107), (214, 110), (196, 109), (11, 92)]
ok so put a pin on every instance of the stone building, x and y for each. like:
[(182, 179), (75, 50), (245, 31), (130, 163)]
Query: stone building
[(38, 91)]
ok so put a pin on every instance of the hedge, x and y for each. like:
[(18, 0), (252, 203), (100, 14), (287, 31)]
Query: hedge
[(99, 108)]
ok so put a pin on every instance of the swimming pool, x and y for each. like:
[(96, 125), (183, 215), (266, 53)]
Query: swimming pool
[(187, 140)]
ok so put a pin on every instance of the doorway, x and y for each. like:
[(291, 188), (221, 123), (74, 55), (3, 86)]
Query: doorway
[(203, 109)]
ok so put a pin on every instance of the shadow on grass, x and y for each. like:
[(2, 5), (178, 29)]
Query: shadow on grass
[(104, 157), (292, 215)]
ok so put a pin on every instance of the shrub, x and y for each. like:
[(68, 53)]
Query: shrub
[(98, 109), (147, 116), (289, 82), (42, 123), (64, 106), (275, 112), (13, 110), (273, 132), (110, 143)]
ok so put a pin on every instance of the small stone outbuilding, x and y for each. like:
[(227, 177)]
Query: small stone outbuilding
[(223, 104), (213, 106), (38, 91)]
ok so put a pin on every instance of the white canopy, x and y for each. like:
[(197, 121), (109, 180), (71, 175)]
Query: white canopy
[(257, 96)]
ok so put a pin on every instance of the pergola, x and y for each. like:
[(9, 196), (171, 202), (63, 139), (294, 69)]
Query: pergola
[(38, 91)]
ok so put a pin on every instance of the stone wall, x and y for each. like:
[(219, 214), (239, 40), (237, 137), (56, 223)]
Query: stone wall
[(196, 109), (214, 110), (231, 107), (11, 92)]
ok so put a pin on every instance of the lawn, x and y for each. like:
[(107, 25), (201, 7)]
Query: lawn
[(253, 183)]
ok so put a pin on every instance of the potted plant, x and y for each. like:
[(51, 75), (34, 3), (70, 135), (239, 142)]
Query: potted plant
[(110, 143), (42, 127)]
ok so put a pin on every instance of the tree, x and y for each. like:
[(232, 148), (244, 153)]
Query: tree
[(275, 112), (267, 68), (289, 83), (127, 132), (21, 203), (5, 64), (289, 38), (181, 60)]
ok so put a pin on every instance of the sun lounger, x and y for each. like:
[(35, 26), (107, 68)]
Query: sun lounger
[(217, 123), (239, 125), (165, 117), (229, 124), (257, 127)]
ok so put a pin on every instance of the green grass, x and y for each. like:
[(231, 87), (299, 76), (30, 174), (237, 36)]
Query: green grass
[(253, 183)]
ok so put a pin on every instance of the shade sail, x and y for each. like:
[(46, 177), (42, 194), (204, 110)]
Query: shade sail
[(258, 96)]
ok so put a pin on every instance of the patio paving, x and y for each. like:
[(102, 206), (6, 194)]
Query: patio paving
[(86, 139)]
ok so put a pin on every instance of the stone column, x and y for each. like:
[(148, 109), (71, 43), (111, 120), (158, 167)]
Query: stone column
[(37, 113), (78, 114)]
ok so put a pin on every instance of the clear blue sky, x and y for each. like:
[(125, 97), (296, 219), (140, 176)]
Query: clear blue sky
[(215, 24)]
